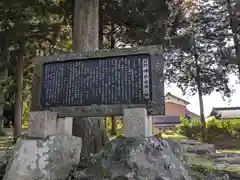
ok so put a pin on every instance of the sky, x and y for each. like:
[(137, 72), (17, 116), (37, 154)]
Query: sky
[(210, 101)]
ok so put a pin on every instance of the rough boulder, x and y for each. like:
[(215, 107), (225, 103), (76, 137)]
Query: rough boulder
[(139, 158)]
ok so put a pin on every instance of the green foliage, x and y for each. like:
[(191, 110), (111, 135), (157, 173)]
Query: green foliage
[(236, 124), (225, 12), (25, 115), (216, 130), (220, 130), (190, 129), (119, 129), (41, 26), (141, 22)]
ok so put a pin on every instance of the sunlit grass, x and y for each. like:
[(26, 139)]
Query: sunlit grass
[(229, 150), (175, 136)]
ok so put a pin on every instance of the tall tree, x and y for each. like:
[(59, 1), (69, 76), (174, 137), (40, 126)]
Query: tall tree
[(196, 67), (225, 30), (29, 31), (234, 18)]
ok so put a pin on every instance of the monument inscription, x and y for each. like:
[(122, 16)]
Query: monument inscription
[(100, 83), (111, 80)]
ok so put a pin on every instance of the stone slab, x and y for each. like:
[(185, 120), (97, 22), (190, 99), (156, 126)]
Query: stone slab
[(42, 123), (136, 123), (150, 126), (49, 159)]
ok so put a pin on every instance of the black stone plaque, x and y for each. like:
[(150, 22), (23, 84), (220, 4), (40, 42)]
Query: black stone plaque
[(102, 81)]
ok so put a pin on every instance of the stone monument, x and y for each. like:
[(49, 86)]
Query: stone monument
[(114, 82)]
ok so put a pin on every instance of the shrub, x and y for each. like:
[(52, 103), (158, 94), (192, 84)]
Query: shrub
[(236, 124), (216, 130), (220, 130), (190, 129)]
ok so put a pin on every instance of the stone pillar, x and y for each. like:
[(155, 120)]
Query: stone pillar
[(136, 123), (150, 125), (64, 125), (42, 124)]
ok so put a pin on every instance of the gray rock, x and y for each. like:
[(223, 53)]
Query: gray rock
[(217, 155), (192, 146), (229, 160), (140, 158), (45, 159)]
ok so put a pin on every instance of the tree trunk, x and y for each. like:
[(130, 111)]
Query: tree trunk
[(112, 45), (198, 82), (101, 26), (101, 46), (5, 56), (112, 38), (86, 38), (204, 129), (18, 100)]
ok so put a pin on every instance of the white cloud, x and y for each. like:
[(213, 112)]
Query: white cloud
[(210, 101)]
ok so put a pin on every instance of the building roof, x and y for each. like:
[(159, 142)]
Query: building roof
[(190, 113), (226, 112), (169, 94), (166, 119)]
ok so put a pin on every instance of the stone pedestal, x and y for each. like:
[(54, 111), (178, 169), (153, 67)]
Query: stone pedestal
[(64, 125), (42, 124), (49, 151), (150, 126), (136, 123)]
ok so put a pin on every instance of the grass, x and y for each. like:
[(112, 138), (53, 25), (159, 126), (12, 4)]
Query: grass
[(199, 160), (177, 136), (235, 121), (174, 136), (230, 150)]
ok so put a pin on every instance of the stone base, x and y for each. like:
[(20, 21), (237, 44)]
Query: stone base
[(137, 123), (52, 158)]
